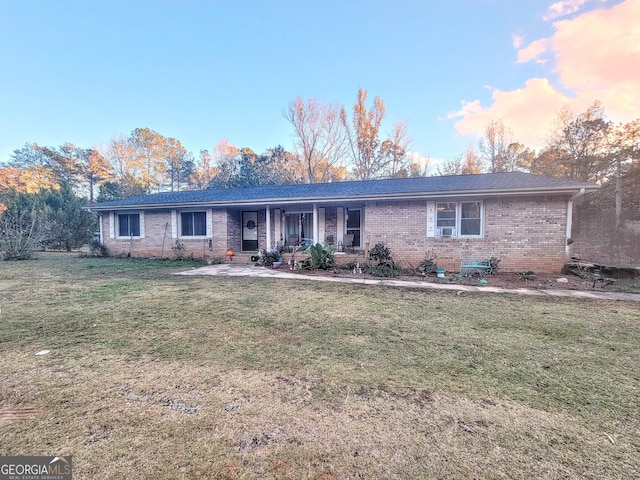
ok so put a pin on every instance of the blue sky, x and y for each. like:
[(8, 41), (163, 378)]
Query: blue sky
[(201, 71)]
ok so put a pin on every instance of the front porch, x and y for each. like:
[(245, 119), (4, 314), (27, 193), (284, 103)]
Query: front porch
[(288, 227)]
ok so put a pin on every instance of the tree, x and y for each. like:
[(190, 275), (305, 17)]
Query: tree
[(28, 171), (284, 166), (119, 153), (35, 167), (70, 225), (23, 226), (270, 168), (395, 149), (371, 156), (65, 161), (578, 146), (320, 137), (472, 164), (179, 164), (364, 142), (248, 169), (203, 172), (419, 169), (624, 151), (225, 156), (95, 169), (149, 153), (122, 187), (451, 166), (497, 148), (126, 178)]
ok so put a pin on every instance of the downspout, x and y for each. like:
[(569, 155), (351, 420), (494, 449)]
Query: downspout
[(100, 228), (568, 240)]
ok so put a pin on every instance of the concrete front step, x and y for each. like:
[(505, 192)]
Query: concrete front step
[(241, 258)]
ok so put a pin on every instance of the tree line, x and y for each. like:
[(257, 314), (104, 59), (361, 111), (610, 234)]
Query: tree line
[(331, 144)]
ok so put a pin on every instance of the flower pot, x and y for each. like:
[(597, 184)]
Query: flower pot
[(440, 272), (276, 265)]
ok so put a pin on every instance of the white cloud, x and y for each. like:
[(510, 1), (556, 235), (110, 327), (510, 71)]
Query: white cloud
[(468, 108), (518, 40), (563, 8)]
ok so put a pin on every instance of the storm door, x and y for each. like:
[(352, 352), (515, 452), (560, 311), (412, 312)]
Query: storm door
[(249, 231)]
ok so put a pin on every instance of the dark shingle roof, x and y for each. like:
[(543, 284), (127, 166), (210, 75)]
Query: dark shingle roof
[(488, 183)]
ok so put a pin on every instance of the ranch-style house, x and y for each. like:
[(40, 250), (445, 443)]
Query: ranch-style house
[(520, 218)]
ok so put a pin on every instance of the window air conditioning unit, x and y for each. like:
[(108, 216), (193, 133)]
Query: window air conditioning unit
[(447, 231)]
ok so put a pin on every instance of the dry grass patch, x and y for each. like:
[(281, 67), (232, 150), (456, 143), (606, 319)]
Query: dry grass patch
[(156, 376)]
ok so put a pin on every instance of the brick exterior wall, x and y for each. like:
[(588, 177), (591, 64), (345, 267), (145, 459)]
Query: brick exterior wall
[(525, 233)]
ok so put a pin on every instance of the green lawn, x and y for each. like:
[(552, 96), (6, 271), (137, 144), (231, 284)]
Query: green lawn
[(152, 375)]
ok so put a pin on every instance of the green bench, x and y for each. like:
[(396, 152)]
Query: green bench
[(481, 266)]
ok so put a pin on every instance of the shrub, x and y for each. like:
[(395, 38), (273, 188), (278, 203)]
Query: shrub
[(428, 265), (380, 253), (179, 250), (384, 270), (267, 258), (321, 257), (385, 266), (527, 275), (22, 233), (493, 262), (96, 249)]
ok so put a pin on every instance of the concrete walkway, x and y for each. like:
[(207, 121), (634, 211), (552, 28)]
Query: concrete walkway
[(241, 270)]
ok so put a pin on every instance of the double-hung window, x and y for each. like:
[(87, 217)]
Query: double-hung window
[(354, 225), (193, 224), (459, 219), (128, 224), (471, 218)]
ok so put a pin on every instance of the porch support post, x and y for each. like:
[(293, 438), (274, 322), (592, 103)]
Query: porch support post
[(268, 225), (316, 235), (277, 227), (340, 228)]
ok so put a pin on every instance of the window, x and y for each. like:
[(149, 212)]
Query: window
[(354, 225), (193, 224), (446, 215), (470, 218), (129, 225), (463, 219)]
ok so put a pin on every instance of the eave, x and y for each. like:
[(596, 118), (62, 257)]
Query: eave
[(275, 201)]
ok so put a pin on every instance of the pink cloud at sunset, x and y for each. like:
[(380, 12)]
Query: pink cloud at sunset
[(527, 111), (598, 56), (533, 51), (594, 56)]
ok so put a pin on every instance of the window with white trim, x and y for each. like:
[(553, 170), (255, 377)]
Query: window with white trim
[(193, 224), (458, 219), (128, 225), (353, 221)]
